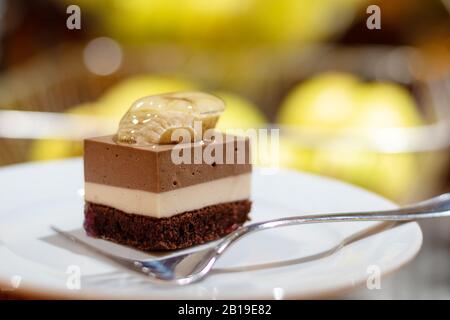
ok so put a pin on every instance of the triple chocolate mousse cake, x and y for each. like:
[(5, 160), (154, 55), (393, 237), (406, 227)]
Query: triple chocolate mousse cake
[(138, 194)]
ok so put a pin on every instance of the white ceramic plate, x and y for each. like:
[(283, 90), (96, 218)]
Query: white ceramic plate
[(34, 260)]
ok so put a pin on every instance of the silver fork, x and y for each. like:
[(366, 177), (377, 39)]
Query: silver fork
[(186, 268)]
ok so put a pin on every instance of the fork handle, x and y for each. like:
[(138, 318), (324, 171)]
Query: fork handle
[(432, 208)]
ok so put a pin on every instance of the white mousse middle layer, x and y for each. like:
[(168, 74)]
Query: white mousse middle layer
[(167, 204)]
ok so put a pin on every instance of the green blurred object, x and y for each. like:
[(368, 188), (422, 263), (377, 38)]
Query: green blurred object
[(332, 103)]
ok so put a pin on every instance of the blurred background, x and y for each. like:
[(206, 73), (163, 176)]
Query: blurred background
[(371, 107)]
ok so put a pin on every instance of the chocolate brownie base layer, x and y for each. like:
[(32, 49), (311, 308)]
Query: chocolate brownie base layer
[(180, 231)]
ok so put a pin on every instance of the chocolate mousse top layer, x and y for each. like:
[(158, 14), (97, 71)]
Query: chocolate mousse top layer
[(151, 167)]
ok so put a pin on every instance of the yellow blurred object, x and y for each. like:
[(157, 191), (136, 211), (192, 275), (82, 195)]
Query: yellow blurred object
[(57, 149), (137, 20), (291, 156), (239, 113), (335, 102), (218, 21), (116, 101), (326, 102), (304, 20), (387, 174), (385, 105), (212, 19)]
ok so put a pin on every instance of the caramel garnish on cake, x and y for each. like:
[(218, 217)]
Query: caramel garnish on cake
[(153, 119)]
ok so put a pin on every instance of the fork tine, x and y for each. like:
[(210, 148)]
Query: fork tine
[(123, 261), (155, 269)]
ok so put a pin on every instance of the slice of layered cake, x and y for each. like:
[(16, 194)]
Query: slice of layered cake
[(143, 191)]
